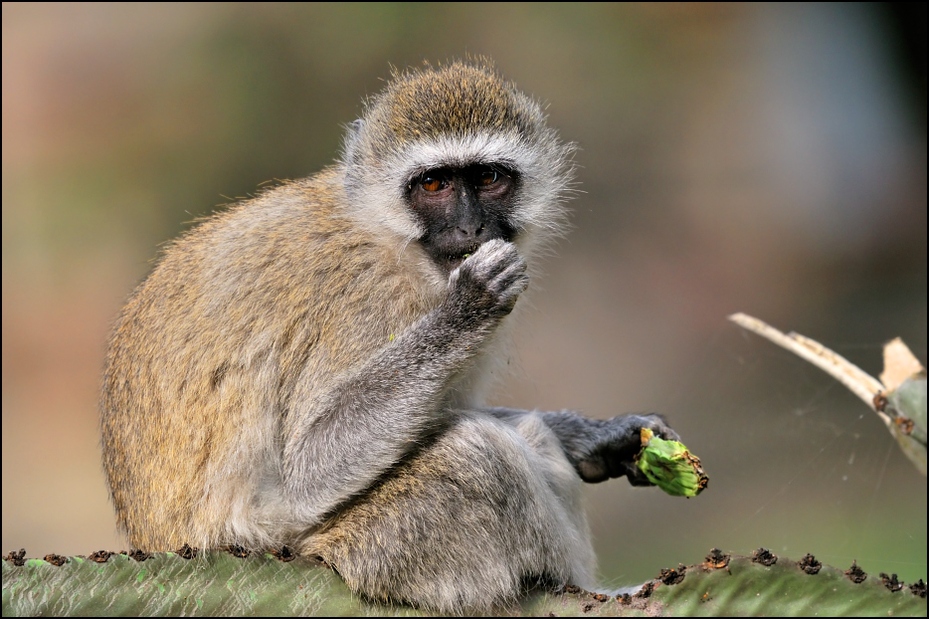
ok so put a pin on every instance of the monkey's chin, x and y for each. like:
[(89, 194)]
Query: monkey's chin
[(453, 262)]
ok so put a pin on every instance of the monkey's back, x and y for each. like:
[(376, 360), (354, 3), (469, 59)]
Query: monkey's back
[(257, 306)]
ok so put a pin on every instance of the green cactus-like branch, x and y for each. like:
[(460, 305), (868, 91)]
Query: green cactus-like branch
[(221, 583)]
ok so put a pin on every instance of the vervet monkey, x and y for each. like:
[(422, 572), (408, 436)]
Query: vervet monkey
[(308, 368)]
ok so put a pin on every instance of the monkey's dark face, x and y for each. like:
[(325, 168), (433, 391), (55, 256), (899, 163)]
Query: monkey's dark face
[(461, 208)]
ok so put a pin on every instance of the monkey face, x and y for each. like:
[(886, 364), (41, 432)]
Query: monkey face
[(454, 156), (460, 208)]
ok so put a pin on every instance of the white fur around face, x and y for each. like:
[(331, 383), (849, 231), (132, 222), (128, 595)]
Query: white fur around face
[(377, 191)]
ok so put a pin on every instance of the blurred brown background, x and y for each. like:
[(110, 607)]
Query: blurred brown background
[(759, 158)]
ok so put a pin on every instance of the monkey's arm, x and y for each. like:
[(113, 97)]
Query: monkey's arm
[(341, 442), (598, 449)]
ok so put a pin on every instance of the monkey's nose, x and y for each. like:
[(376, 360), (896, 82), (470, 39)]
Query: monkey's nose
[(470, 232)]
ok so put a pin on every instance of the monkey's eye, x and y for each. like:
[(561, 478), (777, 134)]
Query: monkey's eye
[(432, 183), (487, 177)]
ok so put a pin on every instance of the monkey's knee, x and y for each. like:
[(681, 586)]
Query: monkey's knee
[(465, 524)]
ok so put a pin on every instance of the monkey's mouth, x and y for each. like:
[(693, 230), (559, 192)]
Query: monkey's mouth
[(452, 261)]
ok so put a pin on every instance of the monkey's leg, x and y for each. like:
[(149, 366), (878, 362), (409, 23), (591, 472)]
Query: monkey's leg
[(598, 449), (466, 523)]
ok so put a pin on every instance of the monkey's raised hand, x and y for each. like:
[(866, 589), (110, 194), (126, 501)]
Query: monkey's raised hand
[(484, 288)]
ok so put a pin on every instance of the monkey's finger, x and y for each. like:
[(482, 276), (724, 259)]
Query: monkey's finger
[(491, 259), (510, 284), (660, 427)]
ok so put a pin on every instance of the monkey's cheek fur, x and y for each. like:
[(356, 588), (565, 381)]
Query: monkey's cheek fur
[(670, 466)]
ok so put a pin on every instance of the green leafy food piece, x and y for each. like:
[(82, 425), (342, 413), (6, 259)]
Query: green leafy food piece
[(670, 466)]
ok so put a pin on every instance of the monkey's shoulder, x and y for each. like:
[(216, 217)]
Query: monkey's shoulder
[(304, 213), (300, 227), (290, 256)]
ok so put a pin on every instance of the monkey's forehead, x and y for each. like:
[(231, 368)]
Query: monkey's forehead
[(457, 99)]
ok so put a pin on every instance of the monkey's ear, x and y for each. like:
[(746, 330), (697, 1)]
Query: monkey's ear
[(352, 138), (355, 127)]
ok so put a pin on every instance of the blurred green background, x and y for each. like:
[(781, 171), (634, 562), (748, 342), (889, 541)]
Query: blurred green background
[(733, 157)]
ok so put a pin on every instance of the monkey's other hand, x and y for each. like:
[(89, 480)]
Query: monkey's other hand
[(618, 443), (487, 284)]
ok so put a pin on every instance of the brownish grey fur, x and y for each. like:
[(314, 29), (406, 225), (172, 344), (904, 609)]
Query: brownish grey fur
[(297, 370)]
